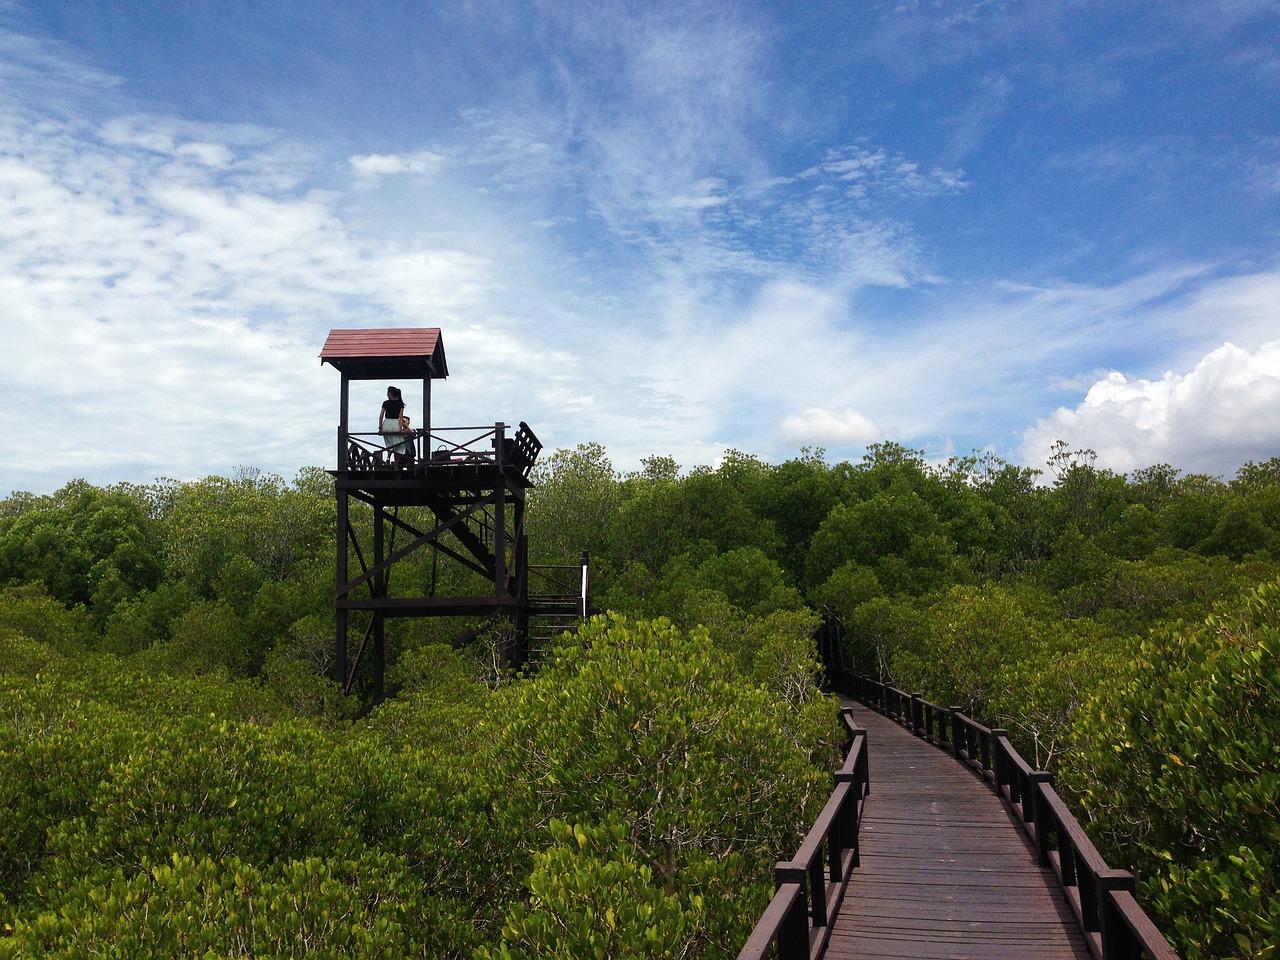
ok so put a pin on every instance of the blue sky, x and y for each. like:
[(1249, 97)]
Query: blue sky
[(671, 228)]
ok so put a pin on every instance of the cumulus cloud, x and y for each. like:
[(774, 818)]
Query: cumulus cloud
[(816, 425), (1210, 420)]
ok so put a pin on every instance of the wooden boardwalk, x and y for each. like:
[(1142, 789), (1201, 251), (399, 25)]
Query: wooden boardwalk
[(946, 871)]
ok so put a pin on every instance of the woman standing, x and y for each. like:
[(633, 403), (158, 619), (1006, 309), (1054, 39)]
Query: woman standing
[(393, 424)]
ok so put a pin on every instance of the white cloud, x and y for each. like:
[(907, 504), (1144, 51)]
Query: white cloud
[(1210, 420), (421, 163), (430, 282), (815, 425)]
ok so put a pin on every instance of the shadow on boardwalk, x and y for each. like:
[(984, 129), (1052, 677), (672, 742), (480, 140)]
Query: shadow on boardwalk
[(946, 871)]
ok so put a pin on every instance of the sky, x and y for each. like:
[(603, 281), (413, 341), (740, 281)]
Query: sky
[(671, 228)]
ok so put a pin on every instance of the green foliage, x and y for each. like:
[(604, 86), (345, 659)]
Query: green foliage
[(1179, 771), (778, 653), (593, 896), (199, 907), (1041, 692), (165, 654), (850, 585), (894, 533), (225, 537), (1254, 476), (876, 629), (797, 497), (29, 611), (642, 718), (575, 494), (258, 794), (154, 812), (1246, 524), (664, 519), (745, 579), (81, 542), (713, 777), (973, 633), (147, 618)]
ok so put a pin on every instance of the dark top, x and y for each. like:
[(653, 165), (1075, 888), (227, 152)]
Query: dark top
[(391, 409)]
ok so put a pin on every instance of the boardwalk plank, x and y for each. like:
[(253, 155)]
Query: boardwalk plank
[(946, 871)]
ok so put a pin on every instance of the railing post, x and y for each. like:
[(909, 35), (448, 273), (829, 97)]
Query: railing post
[(342, 447), (917, 713), (955, 730), (847, 825), (818, 892), (1000, 751), (1111, 925), (859, 780), (793, 937), (1038, 812), (1067, 863)]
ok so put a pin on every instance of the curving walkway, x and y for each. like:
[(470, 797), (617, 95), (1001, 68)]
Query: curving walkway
[(945, 872)]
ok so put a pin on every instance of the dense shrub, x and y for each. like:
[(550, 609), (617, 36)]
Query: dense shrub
[(715, 778), (1179, 771), (152, 813)]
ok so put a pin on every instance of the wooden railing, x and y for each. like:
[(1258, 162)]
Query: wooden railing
[(1102, 899), (811, 885), (443, 446)]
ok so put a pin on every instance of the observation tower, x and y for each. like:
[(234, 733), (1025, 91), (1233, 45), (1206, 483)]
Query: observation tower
[(458, 492)]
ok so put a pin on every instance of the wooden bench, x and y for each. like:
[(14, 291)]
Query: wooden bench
[(521, 450)]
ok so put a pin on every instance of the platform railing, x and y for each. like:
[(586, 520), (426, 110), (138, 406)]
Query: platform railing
[(374, 450), (811, 885), (1102, 899), (439, 447)]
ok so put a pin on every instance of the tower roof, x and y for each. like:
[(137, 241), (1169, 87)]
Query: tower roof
[(388, 353)]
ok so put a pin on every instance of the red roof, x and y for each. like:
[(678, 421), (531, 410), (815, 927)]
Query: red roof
[(387, 352)]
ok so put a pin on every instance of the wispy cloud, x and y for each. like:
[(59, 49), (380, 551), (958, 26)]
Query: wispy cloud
[(861, 171), (168, 284)]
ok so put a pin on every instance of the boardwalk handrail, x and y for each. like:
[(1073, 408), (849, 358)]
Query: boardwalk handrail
[(1103, 900), (811, 885)]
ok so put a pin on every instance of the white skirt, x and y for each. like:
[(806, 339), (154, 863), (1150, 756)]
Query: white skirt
[(396, 441)]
